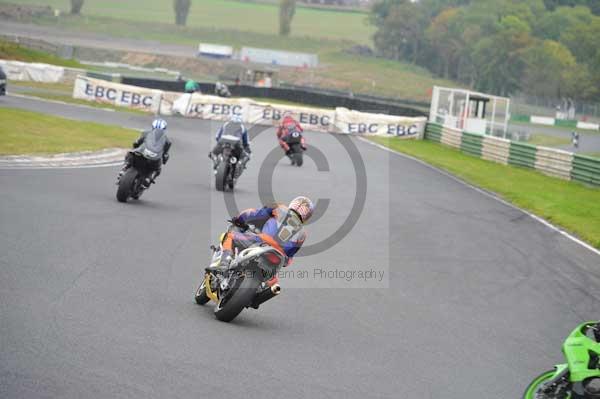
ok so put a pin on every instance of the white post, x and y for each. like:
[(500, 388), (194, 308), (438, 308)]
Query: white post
[(434, 104), (493, 115), (466, 111), (451, 106), (506, 116)]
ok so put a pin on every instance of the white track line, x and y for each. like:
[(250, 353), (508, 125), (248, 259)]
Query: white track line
[(488, 194)]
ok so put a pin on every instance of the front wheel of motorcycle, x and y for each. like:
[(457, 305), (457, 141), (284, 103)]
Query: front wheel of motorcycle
[(126, 185), (532, 389), (239, 297), (201, 297), (221, 175)]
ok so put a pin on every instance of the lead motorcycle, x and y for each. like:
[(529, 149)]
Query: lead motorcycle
[(228, 167), (579, 378), (295, 153), (143, 165), (244, 284)]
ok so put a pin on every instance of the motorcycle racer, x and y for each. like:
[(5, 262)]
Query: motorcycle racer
[(155, 139), (287, 127), (233, 127), (280, 226)]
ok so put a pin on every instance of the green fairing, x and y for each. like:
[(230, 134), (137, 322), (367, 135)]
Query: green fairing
[(577, 348)]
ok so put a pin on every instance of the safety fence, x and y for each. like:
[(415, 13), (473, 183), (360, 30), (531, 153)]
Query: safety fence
[(553, 162), (339, 120)]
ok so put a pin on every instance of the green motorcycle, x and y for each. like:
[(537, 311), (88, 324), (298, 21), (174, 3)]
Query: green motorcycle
[(579, 378)]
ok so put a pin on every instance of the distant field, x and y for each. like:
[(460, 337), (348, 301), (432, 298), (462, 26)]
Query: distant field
[(228, 14)]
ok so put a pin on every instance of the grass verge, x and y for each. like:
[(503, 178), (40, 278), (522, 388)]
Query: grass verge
[(571, 205), (25, 132), (63, 92), (12, 51), (76, 101), (548, 140)]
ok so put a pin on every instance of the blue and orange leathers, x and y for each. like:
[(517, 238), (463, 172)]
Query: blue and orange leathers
[(279, 227)]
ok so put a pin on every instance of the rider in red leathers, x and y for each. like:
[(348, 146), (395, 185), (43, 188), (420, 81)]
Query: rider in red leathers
[(286, 128)]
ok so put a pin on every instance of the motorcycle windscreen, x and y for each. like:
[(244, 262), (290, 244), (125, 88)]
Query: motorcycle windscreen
[(231, 140), (154, 144), (233, 129)]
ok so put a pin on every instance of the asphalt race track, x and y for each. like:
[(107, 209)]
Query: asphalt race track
[(97, 296)]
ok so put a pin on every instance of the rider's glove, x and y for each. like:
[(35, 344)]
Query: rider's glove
[(236, 221), (248, 150), (165, 158)]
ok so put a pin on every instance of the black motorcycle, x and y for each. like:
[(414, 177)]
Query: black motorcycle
[(295, 153), (143, 166), (229, 166), (244, 284)]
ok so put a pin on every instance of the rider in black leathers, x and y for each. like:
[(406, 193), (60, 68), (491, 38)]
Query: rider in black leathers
[(155, 140)]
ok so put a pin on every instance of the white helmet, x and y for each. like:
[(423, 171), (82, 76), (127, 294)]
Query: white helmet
[(235, 119), (303, 206), (159, 124)]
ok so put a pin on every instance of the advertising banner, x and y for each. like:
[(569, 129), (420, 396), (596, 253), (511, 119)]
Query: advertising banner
[(118, 94), (363, 123)]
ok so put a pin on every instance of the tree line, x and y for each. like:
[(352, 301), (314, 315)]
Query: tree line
[(547, 48)]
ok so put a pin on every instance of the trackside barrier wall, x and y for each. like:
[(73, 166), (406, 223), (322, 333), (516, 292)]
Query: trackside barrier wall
[(340, 120), (313, 97), (550, 161), (554, 162), (586, 169), (38, 72), (521, 154)]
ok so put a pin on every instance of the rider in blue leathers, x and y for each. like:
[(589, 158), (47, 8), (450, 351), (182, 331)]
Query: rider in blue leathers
[(234, 127)]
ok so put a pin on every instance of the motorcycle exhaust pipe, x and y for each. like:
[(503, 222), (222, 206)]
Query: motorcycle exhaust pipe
[(265, 295), (276, 289)]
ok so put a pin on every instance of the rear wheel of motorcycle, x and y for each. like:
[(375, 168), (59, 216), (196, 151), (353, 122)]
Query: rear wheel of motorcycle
[(298, 159), (126, 184), (530, 392), (201, 297), (237, 300), (221, 176)]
